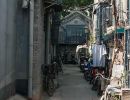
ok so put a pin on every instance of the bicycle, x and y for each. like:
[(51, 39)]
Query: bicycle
[(58, 61), (112, 92), (48, 79)]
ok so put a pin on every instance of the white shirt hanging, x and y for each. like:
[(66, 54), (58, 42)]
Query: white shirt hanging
[(98, 55)]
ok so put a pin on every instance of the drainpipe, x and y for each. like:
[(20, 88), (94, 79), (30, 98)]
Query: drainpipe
[(128, 11), (48, 40), (31, 48)]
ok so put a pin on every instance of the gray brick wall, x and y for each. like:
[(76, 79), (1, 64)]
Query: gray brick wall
[(38, 48), (14, 34)]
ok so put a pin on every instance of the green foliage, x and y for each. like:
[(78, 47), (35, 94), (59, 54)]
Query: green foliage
[(72, 4), (77, 3)]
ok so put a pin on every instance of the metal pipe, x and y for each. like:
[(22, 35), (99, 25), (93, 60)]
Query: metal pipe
[(100, 25), (128, 12), (31, 48)]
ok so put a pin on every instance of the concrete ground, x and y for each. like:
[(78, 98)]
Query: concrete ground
[(73, 86), (17, 97)]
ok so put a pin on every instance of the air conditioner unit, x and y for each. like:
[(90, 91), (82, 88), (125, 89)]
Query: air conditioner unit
[(25, 3)]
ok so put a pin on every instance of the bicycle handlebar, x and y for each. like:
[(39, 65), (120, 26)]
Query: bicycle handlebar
[(99, 74)]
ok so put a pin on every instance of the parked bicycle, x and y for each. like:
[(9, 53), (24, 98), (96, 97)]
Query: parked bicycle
[(51, 76), (58, 61), (48, 79)]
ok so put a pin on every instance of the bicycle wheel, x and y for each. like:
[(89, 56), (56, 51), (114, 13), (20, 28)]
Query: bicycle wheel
[(99, 91), (50, 87)]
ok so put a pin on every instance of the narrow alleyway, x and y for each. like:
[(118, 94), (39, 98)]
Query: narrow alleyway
[(73, 86)]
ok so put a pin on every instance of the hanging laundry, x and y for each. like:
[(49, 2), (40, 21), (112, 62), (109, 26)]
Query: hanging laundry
[(98, 52)]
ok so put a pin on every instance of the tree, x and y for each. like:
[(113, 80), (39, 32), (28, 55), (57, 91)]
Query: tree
[(78, 3), (69, 5)]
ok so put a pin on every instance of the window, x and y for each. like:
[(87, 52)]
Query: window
[(75, 34)]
